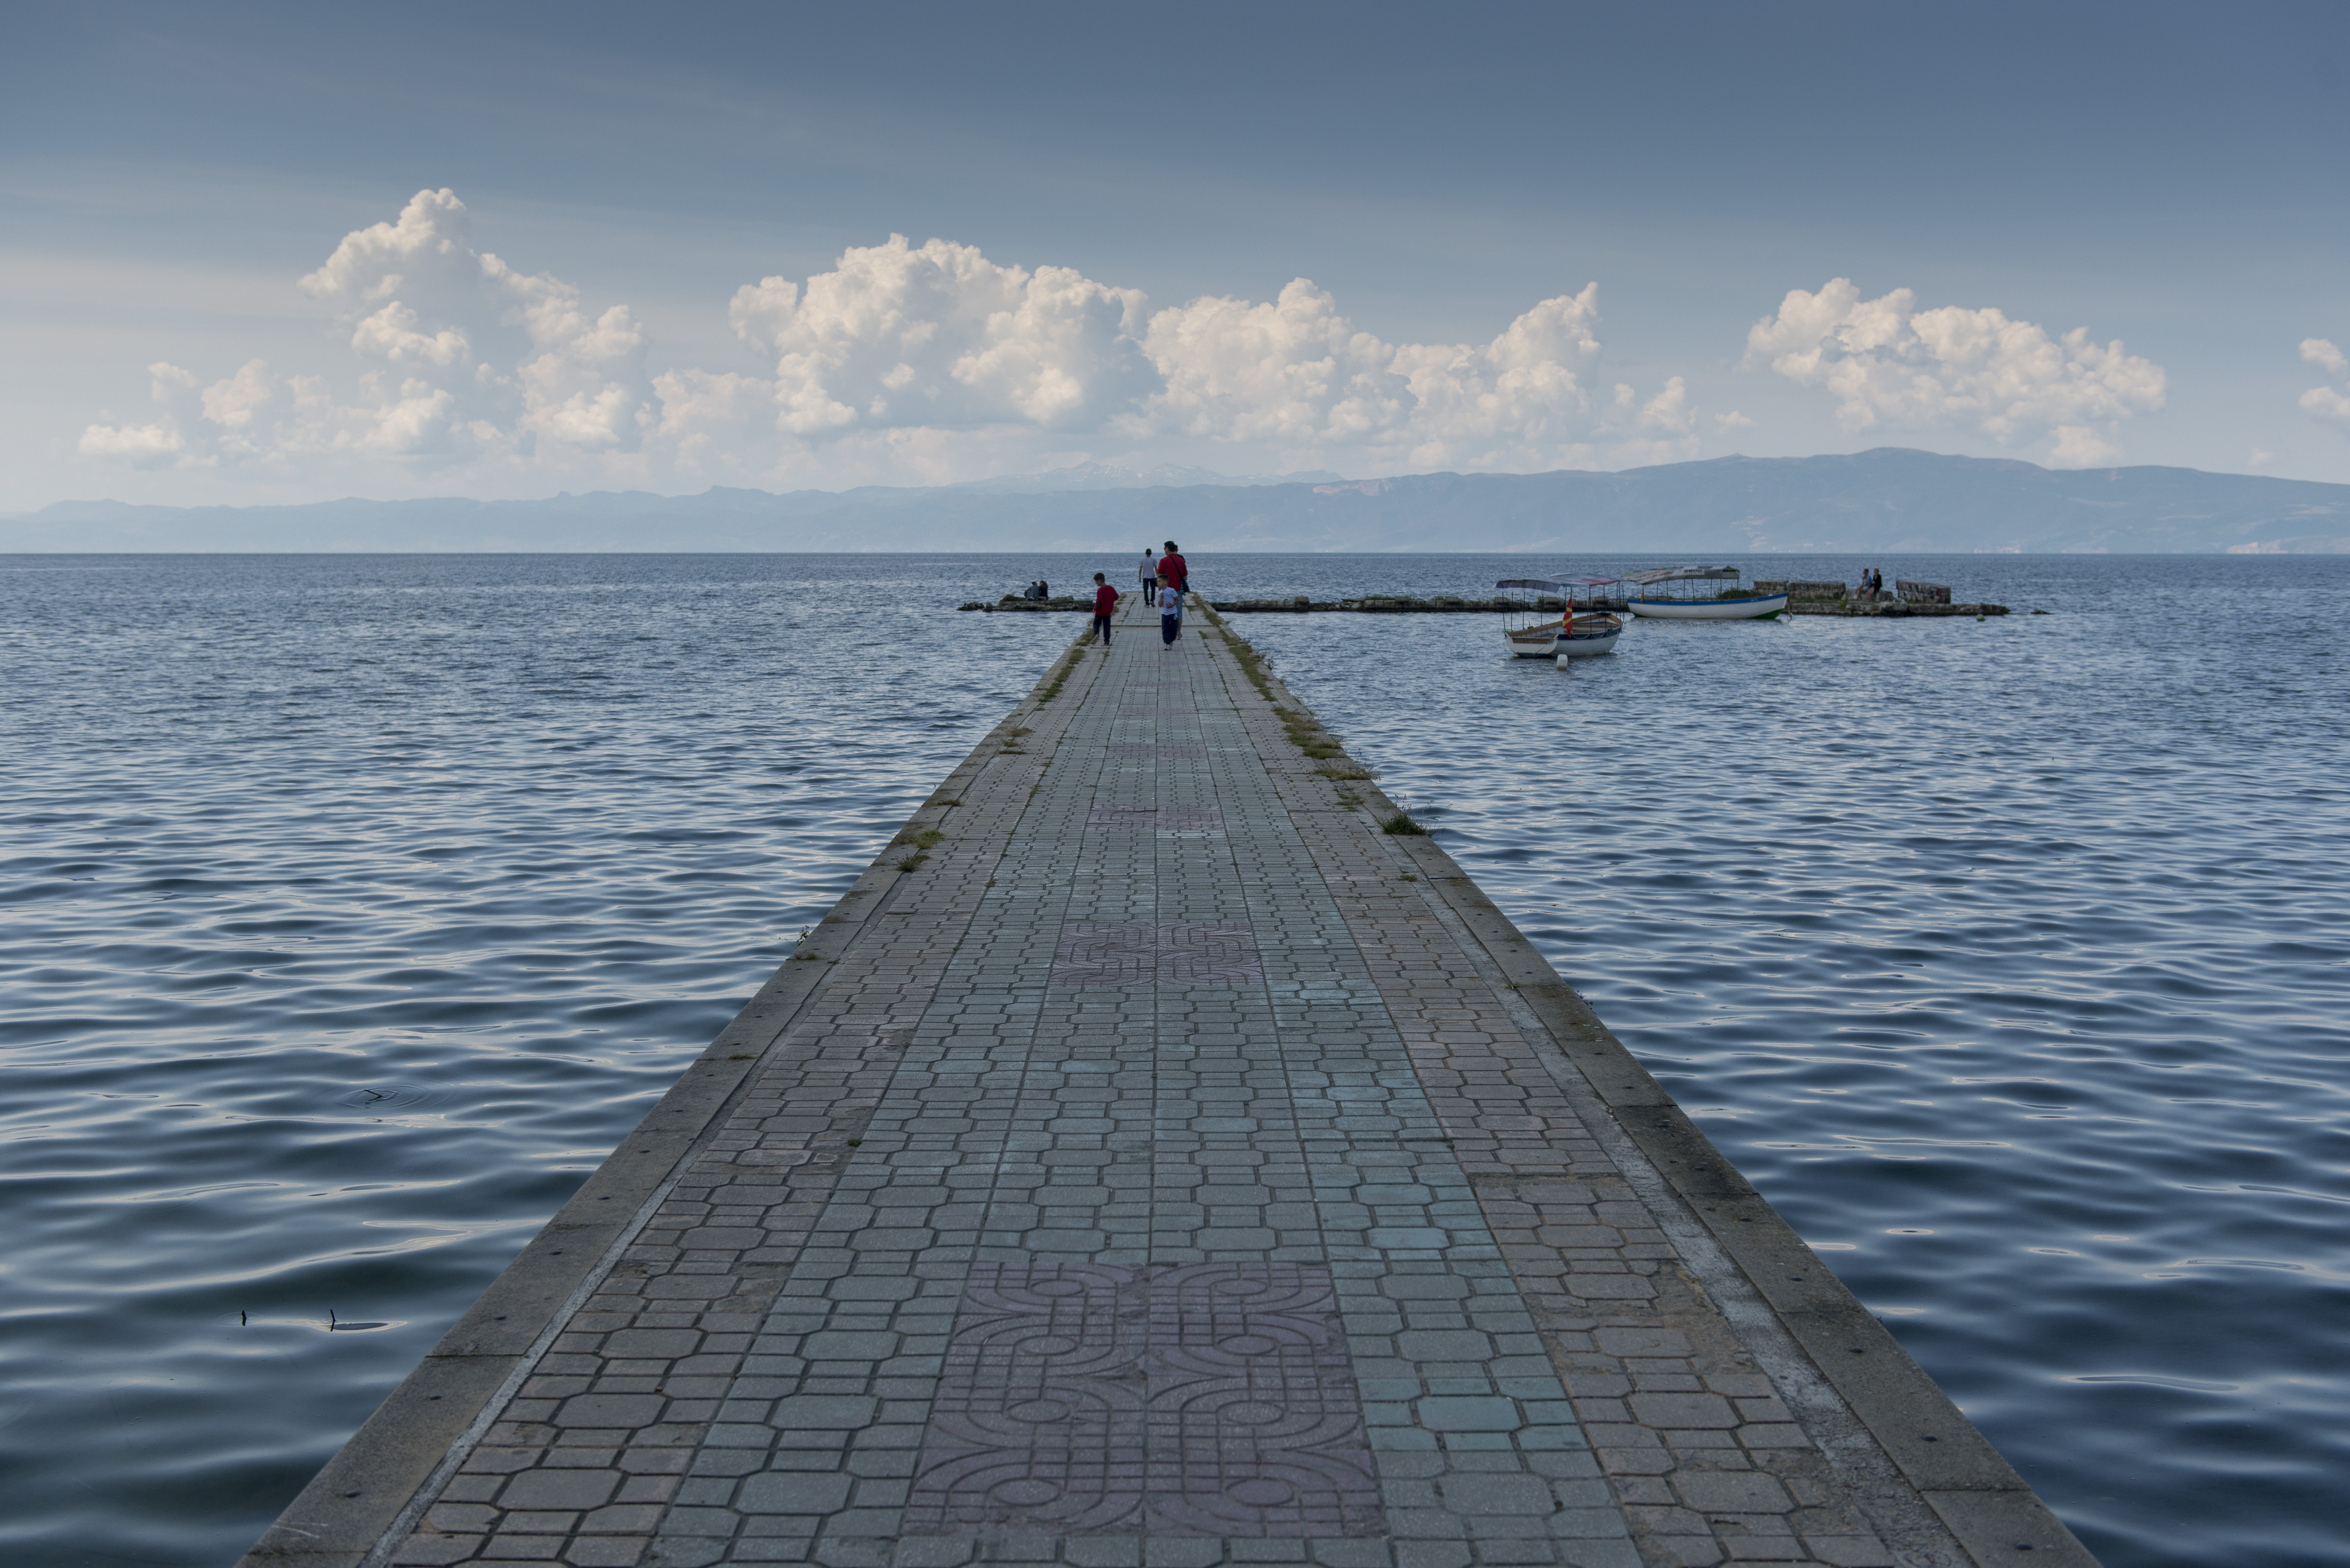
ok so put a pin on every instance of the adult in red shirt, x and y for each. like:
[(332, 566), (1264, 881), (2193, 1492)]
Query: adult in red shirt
[(1173, 567), (1105, 601)]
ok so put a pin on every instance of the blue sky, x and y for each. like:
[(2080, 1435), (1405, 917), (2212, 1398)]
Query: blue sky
[(1126, 200)]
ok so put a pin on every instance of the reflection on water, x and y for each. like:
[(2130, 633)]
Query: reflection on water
[(357, 905)]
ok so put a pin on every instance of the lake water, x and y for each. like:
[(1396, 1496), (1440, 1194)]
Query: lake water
[(354, 906)]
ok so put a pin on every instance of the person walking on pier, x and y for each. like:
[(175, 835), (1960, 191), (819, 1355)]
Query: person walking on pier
[(1175, 569), (1149, 577), (1171, 612), (1105, 601)]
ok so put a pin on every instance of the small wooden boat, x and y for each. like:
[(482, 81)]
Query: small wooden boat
[(1655, 601), (1569, 636)]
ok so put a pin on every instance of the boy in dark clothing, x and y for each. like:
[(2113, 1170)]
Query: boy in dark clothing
[(1105, 601)]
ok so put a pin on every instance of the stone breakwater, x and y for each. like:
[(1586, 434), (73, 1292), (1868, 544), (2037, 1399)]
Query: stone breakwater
[(1909, 598), (1164, 1156), (1300, 605), (1013, 603), (1444, 605), (1889, 608)]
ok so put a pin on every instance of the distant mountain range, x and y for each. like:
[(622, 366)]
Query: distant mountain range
[(1111, 476), (1887, 501)]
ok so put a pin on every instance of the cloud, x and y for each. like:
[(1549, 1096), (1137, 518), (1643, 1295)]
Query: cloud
[(1889, 363), (156, 445), (1296, 374), (903, 361), (897, 336), (463, 357), (2326, 402), (2080, 446)]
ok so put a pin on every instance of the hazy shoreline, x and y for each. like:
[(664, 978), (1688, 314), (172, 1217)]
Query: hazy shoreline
[(1887, 499)]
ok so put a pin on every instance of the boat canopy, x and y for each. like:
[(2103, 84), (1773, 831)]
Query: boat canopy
[(1681, 574)]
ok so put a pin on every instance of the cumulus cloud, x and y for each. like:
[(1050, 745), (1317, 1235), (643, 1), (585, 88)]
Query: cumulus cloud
[(903, 361), (1296, 373), (2326, 402), (1890, 364), (942, 335), (463, 357)]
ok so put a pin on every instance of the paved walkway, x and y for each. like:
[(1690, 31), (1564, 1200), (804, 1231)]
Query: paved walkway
[(1164, 1171)]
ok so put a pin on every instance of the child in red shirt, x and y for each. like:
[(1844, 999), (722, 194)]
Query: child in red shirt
[(1105, 601)]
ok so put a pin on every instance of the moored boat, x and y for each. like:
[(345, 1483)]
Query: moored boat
[(1570, 636), (1655, 601), (1592, 635)]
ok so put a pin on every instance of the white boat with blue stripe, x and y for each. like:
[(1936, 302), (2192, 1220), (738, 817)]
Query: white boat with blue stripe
[(1654, 596)]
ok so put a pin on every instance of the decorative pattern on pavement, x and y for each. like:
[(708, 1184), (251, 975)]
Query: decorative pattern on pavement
[(1198, 952), (1157, 818), (1207, 1399)]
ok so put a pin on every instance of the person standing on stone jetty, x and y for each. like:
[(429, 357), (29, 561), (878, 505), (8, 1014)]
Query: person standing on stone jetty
[(1171, 612), (1176, 569), (1105, 601), (1149, 577)]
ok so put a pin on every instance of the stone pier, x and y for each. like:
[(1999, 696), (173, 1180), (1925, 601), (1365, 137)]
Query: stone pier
[(1155, 1162)]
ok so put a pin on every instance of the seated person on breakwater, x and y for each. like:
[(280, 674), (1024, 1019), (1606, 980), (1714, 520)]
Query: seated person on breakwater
[(1036, 590)]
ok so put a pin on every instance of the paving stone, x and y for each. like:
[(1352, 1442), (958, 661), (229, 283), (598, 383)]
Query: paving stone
[(1732, 1491), (1468, 1413), (789, 1492), (1670, 1411), (1473, 1495), (610, 1410), (560, 1488)]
